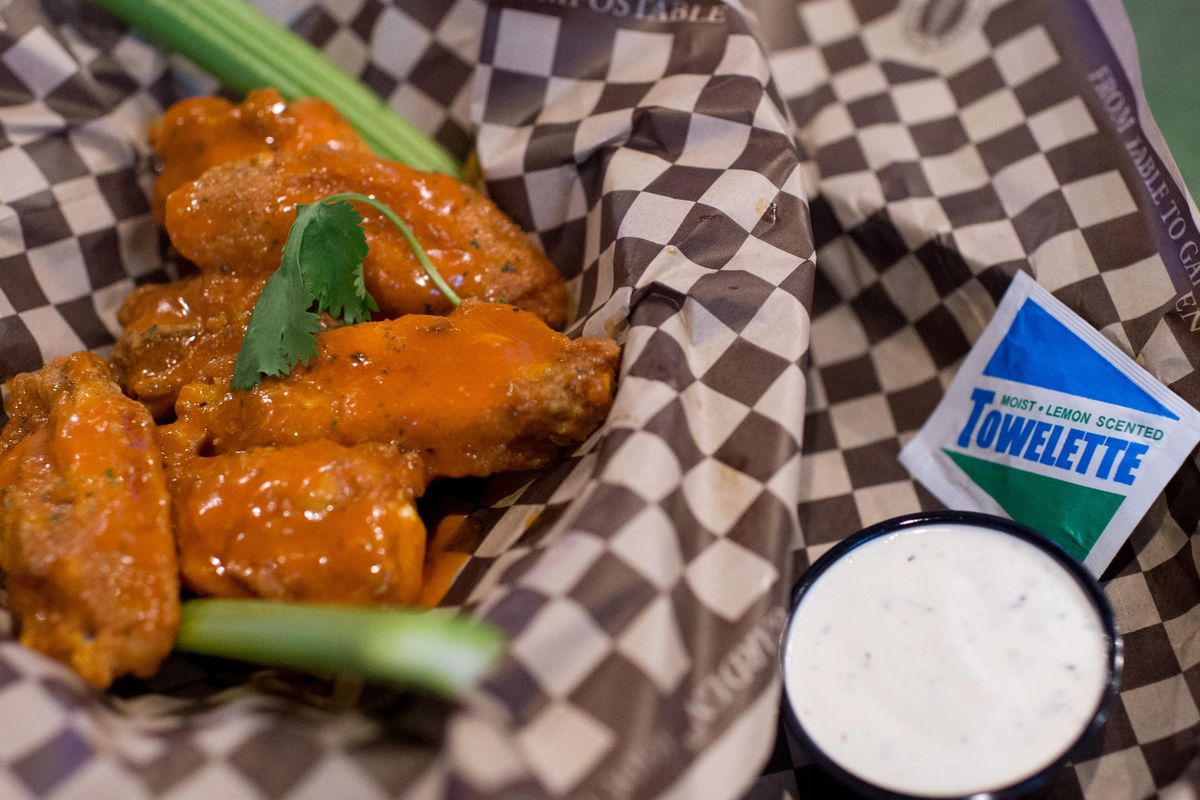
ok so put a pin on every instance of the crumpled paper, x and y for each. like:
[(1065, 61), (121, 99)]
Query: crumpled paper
[(662, 154), (951, 144), (658, 171)]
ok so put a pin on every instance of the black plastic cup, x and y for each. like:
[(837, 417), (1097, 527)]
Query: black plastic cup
[(1087, 583)]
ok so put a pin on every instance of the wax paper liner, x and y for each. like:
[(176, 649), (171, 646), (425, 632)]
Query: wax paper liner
[(642, 580), (951, 144), (947, 144)]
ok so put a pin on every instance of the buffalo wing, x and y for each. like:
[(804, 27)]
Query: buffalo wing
[(236, 217), (87, 547), (201, 132), (318, 521), (487, 389), (172, 332)]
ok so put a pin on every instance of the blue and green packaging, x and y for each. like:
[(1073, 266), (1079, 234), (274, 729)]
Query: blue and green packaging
[(1049, 423)]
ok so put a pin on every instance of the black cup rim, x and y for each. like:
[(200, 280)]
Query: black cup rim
[(1086, 582)]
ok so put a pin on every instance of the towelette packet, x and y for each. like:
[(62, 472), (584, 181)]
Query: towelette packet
[(1049, 423)]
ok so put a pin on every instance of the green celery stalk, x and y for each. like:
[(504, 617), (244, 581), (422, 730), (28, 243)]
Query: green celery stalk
[(425, 650), (245, 50)]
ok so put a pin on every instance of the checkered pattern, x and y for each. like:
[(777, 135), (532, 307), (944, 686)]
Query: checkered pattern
[(940, 170), (643, 579), (652, 565), (647, 184), (75, 232), (416, 55)]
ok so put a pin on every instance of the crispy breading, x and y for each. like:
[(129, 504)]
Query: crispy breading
[(173, 331), (87, 548), (201, 132), (236, 217)]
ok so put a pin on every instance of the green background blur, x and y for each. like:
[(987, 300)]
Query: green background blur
[(1168, 39)]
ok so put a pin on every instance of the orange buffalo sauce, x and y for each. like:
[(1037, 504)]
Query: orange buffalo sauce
[(454, 539), (85, 536), (173, 331), (236, 217), (487, 389), (317, 522), (201, 132)]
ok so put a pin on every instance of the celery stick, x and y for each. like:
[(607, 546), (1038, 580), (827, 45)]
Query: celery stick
[(246, 50), (424, 650)]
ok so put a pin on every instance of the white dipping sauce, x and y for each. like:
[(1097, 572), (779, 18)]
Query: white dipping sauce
[(945, 660)]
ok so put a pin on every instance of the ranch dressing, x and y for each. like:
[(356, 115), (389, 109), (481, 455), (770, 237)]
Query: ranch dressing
[(945, 660)]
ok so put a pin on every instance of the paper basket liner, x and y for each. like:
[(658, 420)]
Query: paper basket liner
[(663, 161)]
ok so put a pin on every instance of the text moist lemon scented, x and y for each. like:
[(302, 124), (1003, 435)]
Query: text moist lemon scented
[(947, 654)]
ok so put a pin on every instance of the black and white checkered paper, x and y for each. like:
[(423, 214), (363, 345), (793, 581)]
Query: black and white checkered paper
[(952, 144), (661, 153)]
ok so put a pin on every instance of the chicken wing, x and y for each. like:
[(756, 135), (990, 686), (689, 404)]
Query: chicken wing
[(173, 331), (236, 217), (87, 548), (315, 522), (486, 389), (201, 132)]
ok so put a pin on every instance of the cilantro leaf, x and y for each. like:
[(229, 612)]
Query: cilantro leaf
[(322, 264), (418, 251), (329, 257), (282, 331)]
